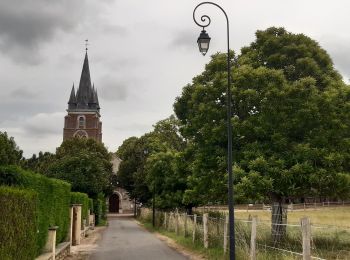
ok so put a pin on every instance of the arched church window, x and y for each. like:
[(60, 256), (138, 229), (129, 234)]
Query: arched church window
[(81, 122)]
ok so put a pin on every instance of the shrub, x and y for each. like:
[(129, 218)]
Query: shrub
[(83, 199), (18, 223), (91, 205), (100, 209), (53, 200)]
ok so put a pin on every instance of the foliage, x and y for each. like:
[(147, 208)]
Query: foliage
[(290, 123), (83, 199), (18, 223), (53, 200), (40, 163), (9, 151), (100, 209), (85, 164), (154, 163), (165, 176)]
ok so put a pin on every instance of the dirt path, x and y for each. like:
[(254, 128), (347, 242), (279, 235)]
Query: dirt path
[(87, 246)]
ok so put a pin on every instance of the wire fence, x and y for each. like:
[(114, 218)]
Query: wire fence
[(291, 206), (254, 238)]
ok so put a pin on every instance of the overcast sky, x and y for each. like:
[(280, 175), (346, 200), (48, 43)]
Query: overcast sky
[(141, 54)]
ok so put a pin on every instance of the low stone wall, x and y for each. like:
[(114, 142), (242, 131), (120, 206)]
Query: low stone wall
[(62, 251)]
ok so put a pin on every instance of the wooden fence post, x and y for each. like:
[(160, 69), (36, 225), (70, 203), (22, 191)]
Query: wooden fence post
[(177, 223), (164, 224), (185, 224), (205, 230), (225, 233), (253, 239), (306, 232), (194, 227)]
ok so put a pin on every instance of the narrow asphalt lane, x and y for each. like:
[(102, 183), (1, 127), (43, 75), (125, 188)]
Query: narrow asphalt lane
[(125, 239)]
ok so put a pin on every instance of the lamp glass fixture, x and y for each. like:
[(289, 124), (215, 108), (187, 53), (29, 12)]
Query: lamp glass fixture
[(203, 42)]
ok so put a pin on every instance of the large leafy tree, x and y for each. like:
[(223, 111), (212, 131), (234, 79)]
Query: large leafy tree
[(131, 175), (9, 151), (85, 164), (39, 163), (152, 164), (290, 120)]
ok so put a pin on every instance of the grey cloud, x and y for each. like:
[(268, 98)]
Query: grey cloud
[(115, 29), (22, 93), (112, 89), (338, 48), (26, 25), (43, 124), (184, 40), (15, 109)]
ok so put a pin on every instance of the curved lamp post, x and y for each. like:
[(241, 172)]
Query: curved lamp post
[(203, 44)]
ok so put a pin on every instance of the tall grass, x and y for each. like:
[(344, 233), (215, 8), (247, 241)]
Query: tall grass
[(328, 241)]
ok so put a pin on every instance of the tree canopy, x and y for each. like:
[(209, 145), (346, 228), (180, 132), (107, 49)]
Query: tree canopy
[(151, 164), (85, 164), (9, 151), (290, 122)]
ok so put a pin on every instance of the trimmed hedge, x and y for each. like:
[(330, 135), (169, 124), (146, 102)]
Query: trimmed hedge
[(81, 198), (53, 200), (18, 223), (91, 205), (100, 209)]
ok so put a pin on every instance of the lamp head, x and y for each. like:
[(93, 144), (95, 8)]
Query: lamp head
[(203, 42)]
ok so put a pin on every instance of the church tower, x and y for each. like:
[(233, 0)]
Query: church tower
[(83, 118)]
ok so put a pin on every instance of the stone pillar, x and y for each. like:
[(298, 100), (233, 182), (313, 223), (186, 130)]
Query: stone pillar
[(76, 224), (70, 233), (51, 242)]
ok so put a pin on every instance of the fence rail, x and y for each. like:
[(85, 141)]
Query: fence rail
[(254, 237), (291, 206)]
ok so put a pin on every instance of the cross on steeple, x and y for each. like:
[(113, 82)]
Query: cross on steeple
[(86, 44)]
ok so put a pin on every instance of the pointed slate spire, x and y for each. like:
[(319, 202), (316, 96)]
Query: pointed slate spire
[(84, 91), (97, 103), (86, 96), (72, 102)]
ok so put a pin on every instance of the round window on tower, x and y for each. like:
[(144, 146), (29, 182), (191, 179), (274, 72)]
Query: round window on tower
[(81, 134)]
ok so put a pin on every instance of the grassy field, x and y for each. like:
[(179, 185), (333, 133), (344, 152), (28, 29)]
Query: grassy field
[(330, 235), (329, 216)]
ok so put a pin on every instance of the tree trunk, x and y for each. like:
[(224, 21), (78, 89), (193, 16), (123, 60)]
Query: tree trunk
[(279, 221)]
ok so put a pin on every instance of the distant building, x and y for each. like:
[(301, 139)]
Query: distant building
[(119, 201), (83, 121), (83, 118)]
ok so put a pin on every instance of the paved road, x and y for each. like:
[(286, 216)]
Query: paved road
[(124, 239)]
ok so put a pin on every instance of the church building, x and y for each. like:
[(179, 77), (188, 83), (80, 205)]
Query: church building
[(83, 118), (83, 121)]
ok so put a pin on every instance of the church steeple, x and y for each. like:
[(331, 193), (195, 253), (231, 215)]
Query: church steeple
[(86, 96), (72, 102), (83, 113)]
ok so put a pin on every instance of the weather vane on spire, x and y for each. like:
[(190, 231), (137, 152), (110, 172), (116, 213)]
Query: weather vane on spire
[(86, 44)]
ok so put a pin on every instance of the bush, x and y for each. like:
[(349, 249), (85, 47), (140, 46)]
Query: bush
[(53, 200), (91, 205), (83, 199), (18, 223), (100, 209)]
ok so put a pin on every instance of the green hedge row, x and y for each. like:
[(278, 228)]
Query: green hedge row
[(81, 198), (100, 209), (53, 200), (18, 223)]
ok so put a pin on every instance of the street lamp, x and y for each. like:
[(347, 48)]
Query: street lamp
[(203, 44)]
